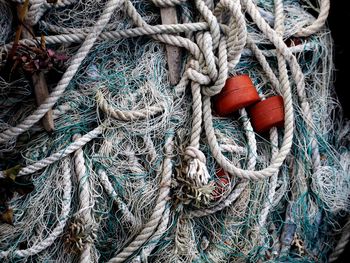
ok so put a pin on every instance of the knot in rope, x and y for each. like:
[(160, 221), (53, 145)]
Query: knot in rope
[(196, 170), (196, 74), (211, 68), (210, 72), (79, 234)]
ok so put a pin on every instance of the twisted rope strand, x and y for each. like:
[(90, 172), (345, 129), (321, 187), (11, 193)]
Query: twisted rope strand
[(85, 211), (153, 222), (60, 154), (67, 76), (58, 229)]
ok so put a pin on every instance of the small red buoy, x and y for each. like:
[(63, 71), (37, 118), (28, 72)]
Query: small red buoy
[(220, 184), (238, 92), (293, 41), (220, 188), (267, 114), (221, 173)]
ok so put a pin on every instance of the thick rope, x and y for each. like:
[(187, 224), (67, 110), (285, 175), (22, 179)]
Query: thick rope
[(67, 76), (153, 241), (85, 210), (319, 22), (287, 139), (131, 115), (153, 222), (107, 185), (239, 188), (283, 77), (214, 50), (60, 154), (296, 73), (58, 229)]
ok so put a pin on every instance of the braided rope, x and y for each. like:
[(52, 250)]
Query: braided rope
[(239, 188), (60, 154), (63, 217), (67, 76), (288, 136), (153, 241), (14, 131), (319, 22), (213, 52), (85, 211), (279, 27), (131, 115), (35, 11), (167, 3), (127, 214), (154, 220), (296, 72)]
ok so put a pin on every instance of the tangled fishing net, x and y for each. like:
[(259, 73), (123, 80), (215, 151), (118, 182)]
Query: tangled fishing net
[(140, 170)]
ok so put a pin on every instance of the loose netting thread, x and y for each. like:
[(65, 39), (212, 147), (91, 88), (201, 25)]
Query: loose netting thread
[(130, 172)]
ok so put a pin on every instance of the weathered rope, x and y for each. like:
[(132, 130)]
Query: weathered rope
[(61, 154), (85, 211), (58, 229), (127, 214), (153, 222), (66, 78), (153, 241), (279, 27), (131, 115), (319, 22), (215, 46)]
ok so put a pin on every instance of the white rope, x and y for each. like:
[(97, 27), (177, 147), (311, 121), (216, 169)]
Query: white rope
[(67, 76), (85, 211), (60, 154), (153, 222), (283, 77), (127, 214), (58, 229), (222, 37), (296, 74), (153, 241), (131, 115), (319, 22)]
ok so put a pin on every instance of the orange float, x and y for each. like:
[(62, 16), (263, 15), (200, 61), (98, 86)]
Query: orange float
[(238, 92), (293, 41), (220, 184), (267, 114), (220, 187), (221, 173)]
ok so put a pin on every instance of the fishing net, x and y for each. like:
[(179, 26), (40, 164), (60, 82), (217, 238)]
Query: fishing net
[(137, 169)]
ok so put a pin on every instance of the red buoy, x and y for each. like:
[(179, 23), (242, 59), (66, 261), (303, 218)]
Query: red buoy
[(221, 173), (238, 92), (220, 187), (220, 184), (267, 114)]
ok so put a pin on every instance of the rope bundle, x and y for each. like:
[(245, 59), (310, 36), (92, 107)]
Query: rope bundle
[(143, 183)]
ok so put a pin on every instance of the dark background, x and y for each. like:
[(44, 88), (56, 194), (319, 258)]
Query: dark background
[(340, 27)]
